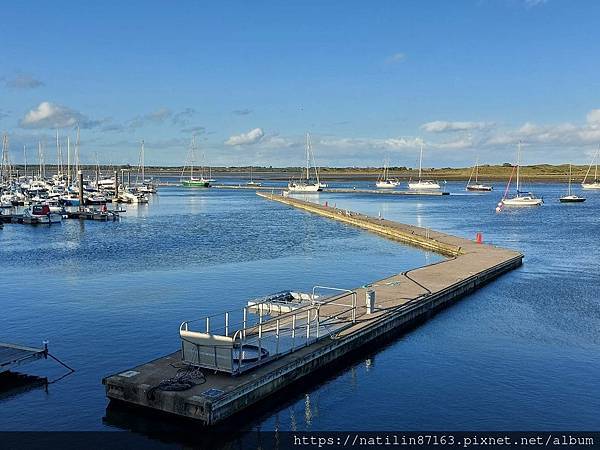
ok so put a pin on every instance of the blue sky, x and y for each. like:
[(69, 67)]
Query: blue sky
[(369, 80)]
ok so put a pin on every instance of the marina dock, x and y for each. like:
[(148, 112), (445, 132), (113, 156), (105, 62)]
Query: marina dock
[(12, 355), (377, 310)]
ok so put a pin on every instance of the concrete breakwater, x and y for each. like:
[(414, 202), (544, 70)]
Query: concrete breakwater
[(398, 301)]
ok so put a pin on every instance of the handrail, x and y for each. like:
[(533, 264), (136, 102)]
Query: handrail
[(273, 332)]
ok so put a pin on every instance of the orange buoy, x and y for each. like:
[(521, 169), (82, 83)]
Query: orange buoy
[(479, 238)]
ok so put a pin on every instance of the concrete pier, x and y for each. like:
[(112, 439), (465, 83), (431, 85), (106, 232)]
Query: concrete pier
[(400, 301)]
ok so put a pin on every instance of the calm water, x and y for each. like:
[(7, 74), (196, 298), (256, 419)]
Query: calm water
[(521, 353)]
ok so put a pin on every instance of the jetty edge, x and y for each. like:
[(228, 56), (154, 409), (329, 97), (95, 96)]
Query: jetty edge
[(400, 301)]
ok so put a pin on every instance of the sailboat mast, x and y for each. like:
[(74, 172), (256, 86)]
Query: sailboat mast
[(420, 161), (477, 170), (307, 156), (58, 163), (68, 161), (25, 158), (40, 158), (77, 152), (518, 165), (570, 171), (143, 170), (192, 156)]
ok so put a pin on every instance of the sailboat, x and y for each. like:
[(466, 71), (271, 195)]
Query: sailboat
[(193, 181), (147, 185), (306, 184), (252, 182), (384, 181), (422, 184), (596, 183), (570, 197), (477, 186), (521, 198)]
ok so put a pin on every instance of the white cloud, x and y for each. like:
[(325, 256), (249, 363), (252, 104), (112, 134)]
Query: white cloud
[(443, 126), (249, 138), (395, 58), (562, 134), (51, 115), (593, 117)]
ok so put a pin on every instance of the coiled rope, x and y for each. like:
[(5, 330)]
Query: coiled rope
[(186, 378)]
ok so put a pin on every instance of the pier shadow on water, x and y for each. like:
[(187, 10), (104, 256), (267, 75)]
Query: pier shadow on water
[(13, 384)]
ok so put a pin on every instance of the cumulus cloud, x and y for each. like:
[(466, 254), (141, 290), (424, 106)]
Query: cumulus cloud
[(249, 138), (51, 115), (443, 126), (23, 81), (242, 112), (562, 134), (395, 58)]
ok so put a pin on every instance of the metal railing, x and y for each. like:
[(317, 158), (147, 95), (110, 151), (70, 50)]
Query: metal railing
[(258, 334)]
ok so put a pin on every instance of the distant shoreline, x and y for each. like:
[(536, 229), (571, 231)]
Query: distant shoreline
[(543, 172)]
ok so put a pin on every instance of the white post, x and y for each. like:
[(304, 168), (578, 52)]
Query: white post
[(244, 321), (277, 335), (307, 326), (293, 331)]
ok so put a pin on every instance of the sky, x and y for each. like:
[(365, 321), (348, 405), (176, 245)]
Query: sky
[(370, 80)]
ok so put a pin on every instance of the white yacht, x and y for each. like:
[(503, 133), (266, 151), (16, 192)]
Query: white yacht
[(477, 186), (570, 197), (306, 184), (384, 181), (595, 184), (422, 184), (521, 198)]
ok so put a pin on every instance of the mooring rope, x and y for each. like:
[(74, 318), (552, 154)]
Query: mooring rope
[(185, 378)]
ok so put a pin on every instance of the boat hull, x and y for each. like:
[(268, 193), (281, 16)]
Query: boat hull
[(571, 199), (522, 202), (591, 186), (423, 186), (198, 184), (385, 185), (305, 188), (479, 188)]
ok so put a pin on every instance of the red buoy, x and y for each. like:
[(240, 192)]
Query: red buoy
[(479, 238)]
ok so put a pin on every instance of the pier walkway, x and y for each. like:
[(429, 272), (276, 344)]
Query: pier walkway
[(400, 300), (12, 355)]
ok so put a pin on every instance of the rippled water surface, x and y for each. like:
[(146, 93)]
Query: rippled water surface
[(521, 353)]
